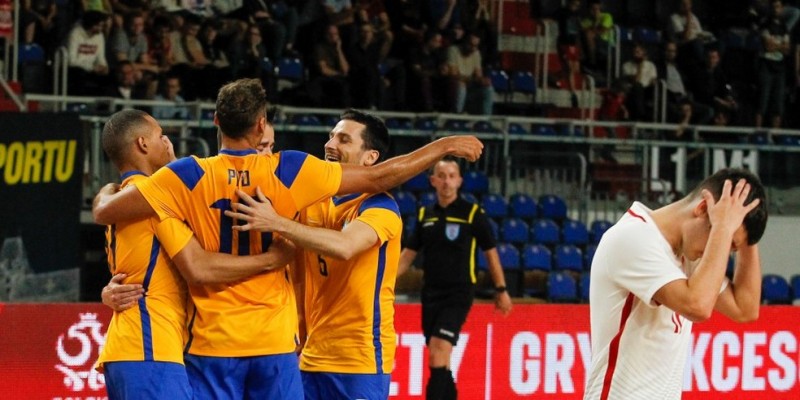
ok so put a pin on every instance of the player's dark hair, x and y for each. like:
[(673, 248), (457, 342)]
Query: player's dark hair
[(375, 135), (756, 220), (119, 131), (239, 106)]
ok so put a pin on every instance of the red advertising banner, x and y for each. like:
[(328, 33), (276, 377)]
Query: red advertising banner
[(541, 351)]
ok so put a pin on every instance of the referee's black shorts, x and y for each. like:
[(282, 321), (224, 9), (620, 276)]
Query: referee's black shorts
[(444, 311)]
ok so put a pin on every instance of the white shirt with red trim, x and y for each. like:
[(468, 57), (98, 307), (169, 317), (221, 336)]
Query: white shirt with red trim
[(639, 347)]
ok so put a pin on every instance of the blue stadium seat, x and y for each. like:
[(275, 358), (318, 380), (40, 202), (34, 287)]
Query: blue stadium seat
[(31, 53), (647, 36), (475, 182), (523, 206), (427, 199), (545, 231), (523, 82), (425, 124), (514, 230), (598, 228), (469, 197), (775, 290), (399, 123), (418, 183), (290, 69), (500, 81), (305, 120), (509, 256), (553, 207), (795, 282), (588, 255), (544, 130), (568, 257), (584, 286), (537, 257), (456, 125), (561, 288), (517, 129), (574, 232), (406, 202), (484, 127), (329, 120), (495, 206)]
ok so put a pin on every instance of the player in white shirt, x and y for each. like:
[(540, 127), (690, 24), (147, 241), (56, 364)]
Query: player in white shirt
[(657, 271)]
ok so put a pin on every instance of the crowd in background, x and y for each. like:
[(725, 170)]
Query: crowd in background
[(723, 63)]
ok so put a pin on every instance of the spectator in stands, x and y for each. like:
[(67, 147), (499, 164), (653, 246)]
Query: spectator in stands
[(613, 109), (677, 95), (642, 73), (476, 18), (446, 234), (88, 68), (365, 77), (569, 28), (278, 24), (442, 15), (329, 87), (130, 44), (710, 86), (36, 21), (571, 77), (408, 26), (188, 55), (597, 34), (468, 84), (772, 68), (373, 12), (686, 30), (218, 71), (159, 45), (125, 86), (762, 11), (170, 89), (249, 58), (427, 66), (341, 14)]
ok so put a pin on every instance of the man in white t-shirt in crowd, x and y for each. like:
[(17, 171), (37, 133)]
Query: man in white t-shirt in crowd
[(657, 271), (642, 74)]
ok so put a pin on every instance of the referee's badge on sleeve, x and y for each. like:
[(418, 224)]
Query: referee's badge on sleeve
[(451, 231)]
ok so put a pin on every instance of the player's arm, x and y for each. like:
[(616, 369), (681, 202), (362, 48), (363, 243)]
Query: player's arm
[(741, 299), (356, 237), (111, 206), (200, 267), (695, 297), (502, 301), (407, 257), (393, 172)]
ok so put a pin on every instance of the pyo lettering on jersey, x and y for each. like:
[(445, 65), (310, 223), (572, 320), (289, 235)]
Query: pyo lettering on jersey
[(241, 178)]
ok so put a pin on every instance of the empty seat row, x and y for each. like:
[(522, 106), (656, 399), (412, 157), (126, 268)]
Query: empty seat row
[(540, 258)]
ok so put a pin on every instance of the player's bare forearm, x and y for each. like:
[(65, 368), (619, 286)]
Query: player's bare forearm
[(393, 172), (201, 267), (747, 283), (110, 207)]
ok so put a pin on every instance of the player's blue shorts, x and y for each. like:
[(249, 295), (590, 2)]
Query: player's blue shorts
[(261, 377), (146, 380), (331, 386)]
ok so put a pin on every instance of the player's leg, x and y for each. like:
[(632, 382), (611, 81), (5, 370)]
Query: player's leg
[(274, 377), (218, 378), (147, 380)]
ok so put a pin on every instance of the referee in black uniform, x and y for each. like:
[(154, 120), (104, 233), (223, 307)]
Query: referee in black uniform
[(447, 233)]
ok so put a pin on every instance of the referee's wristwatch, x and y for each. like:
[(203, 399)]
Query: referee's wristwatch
[(499, 289)]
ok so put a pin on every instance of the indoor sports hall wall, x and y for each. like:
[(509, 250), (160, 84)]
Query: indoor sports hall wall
[(540, 351)]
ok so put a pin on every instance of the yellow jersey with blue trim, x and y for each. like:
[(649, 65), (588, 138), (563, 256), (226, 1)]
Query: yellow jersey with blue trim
[(349, 305), (154, 329), (256, 316)]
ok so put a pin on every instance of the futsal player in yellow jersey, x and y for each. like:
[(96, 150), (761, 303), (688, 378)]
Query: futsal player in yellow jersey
[(352, 246), (242, 337), (143, 353)]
